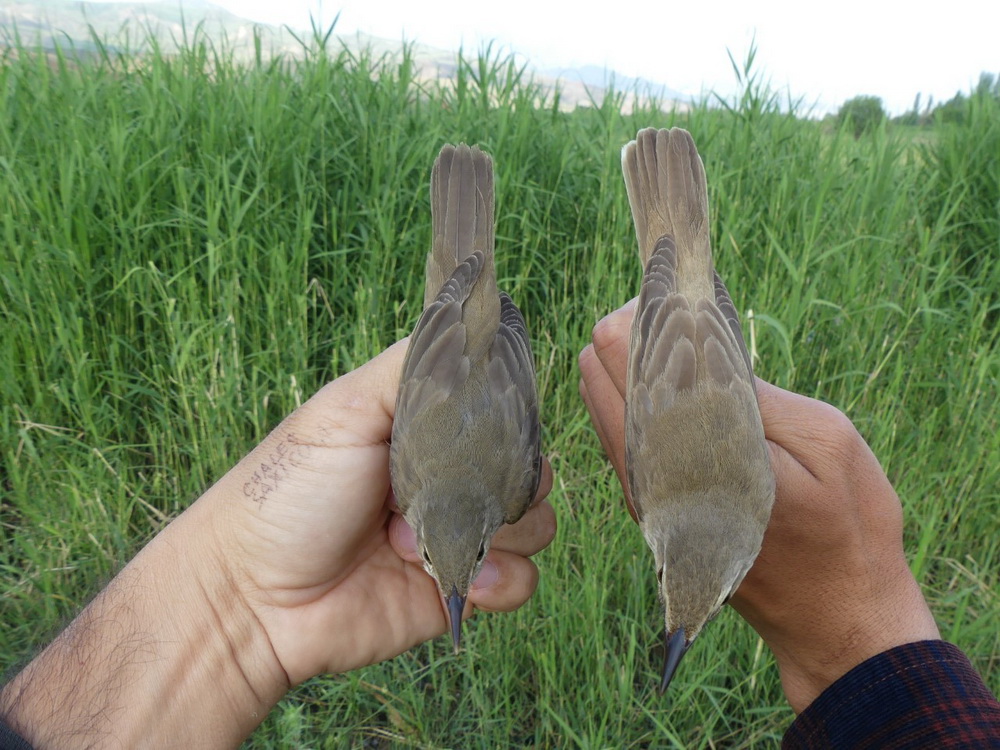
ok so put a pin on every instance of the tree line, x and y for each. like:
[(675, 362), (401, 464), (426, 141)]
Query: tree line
[(862, 113)]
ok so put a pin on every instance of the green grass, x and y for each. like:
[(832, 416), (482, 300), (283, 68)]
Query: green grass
[(191, 248)]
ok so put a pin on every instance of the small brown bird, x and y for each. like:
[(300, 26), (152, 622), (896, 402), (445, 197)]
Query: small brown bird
[(465, 455), (697, 464)]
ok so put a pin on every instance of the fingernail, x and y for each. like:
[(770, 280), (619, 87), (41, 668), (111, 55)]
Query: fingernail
[(487, 577)]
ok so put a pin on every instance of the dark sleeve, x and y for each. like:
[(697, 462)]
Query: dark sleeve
[(10, 740), (921, 695)]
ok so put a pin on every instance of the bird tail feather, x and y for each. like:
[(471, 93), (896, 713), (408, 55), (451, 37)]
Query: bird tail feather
[(462, 217), (668, 195)]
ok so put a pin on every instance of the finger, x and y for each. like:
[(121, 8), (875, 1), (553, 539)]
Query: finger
[(403, 539), (531, 534), (505, 587), (545, 483), (613, 441), (505, 582), (607, 409), (611, 337), (807, 429)]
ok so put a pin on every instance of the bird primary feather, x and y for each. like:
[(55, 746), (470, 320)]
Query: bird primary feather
[(465, 453), (696, 460)]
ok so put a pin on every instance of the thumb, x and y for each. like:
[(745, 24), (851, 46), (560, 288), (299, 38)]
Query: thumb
[(359, 405), (353, 412)]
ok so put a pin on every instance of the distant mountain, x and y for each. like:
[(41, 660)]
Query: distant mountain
[(597, 77), (132, 25)]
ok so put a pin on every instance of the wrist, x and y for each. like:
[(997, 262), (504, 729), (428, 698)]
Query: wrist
[(231, 676), (166, 654), (809, 665)]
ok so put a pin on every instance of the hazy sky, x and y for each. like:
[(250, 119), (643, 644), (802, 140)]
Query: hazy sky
[(822, 52)]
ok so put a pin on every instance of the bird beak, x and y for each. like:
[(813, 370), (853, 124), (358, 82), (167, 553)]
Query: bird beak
[(456, 604), (677, 646)]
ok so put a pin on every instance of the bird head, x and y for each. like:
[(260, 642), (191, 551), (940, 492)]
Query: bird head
[(698, 567), (453, 538)]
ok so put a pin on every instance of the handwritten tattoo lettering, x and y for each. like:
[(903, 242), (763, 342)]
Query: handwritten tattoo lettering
[(276, 460)]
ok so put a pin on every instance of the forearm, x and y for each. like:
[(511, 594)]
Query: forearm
[(166, 655)]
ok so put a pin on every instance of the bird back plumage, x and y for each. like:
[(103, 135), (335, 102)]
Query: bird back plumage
[(698, 470), (465, 452)]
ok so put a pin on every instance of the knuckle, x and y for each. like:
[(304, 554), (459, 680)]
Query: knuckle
[(610, 331), (844, 434), (841, 438)]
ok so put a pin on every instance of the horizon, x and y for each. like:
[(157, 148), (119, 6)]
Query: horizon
[(888, 51)]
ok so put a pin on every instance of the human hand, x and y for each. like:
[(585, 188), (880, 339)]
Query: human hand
[(831, 586), (291, 565), (306, 525)]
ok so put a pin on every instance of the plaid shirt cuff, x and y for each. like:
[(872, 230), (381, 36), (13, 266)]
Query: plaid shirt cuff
[(10, 740), (920, 695)]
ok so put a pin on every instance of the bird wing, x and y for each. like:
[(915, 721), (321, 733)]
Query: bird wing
[(686, 335), (511, 379), (437, 362), (678, 348), (661, 350), (728, 310)]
